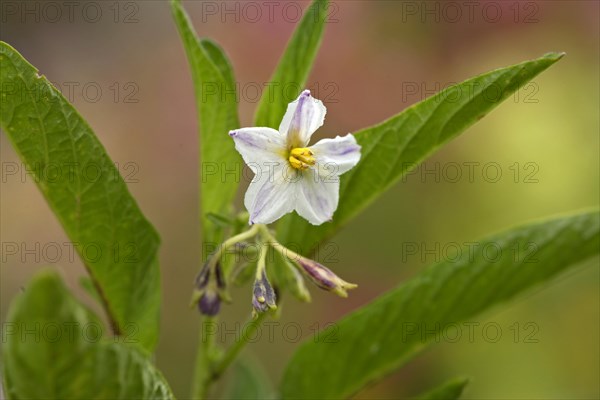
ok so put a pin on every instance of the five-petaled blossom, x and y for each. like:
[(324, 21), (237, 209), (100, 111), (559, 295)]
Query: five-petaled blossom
[(289, 175)]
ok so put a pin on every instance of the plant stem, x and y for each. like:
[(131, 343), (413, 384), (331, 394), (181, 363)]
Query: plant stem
[(233, 240), (230, 355), (207, 369), (262, 259), (284, 251), (202, 370)]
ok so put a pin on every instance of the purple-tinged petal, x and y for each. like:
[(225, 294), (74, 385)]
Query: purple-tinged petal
[(303, 117), (259, 146), (336, 156)]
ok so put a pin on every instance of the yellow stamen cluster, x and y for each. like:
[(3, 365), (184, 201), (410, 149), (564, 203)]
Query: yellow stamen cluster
[(301, 158)]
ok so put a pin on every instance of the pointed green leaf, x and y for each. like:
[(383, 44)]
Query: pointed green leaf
[(84, 189), (214, 86), (293, 69), (451, 390), (380, 337), (52, 349), (394, 147)]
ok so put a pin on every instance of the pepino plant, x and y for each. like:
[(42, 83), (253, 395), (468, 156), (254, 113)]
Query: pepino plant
[(301, 194)]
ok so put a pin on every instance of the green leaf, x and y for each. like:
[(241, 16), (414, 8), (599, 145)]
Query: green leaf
[(87, 284), (451, 390), (380, 337), (216, 101), (248, 381), (293, 69), (220, 220), (84, 189), (52, 349), (394, 147)]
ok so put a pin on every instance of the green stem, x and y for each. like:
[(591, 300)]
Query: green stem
[(233, 240), (204, 361), (262, 260), (284, 251), (207, 369), (230, 355)]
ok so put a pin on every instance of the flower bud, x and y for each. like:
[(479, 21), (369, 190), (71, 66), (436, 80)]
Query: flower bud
[(210, 303), (324, 278), (210, 289), (263, 297)]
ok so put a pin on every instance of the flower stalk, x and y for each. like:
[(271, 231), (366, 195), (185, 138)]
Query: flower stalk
[(320, 275), (211, 286), (211, 289)]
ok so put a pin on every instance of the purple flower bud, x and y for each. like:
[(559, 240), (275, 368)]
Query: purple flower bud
[(210, 289), (263, 297), (324, 278), (210, 303)]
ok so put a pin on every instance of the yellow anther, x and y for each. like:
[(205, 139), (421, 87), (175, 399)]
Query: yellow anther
[(297, 163), (301, 158), (301, 152)]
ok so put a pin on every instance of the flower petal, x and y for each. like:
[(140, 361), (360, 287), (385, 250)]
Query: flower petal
[(317, 196), (303, 117), (336, 156), (259, 146), (271, 193)]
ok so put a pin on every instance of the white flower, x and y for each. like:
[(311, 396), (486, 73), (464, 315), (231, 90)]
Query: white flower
[(289, 175)]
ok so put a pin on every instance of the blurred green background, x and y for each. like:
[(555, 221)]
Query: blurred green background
[(377, 58)]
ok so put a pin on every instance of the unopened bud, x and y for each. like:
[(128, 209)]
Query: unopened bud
[(263, 297), (324, 278), (210, 289), (210, 303)]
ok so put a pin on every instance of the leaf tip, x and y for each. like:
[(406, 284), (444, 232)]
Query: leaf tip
[(554, 56)]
